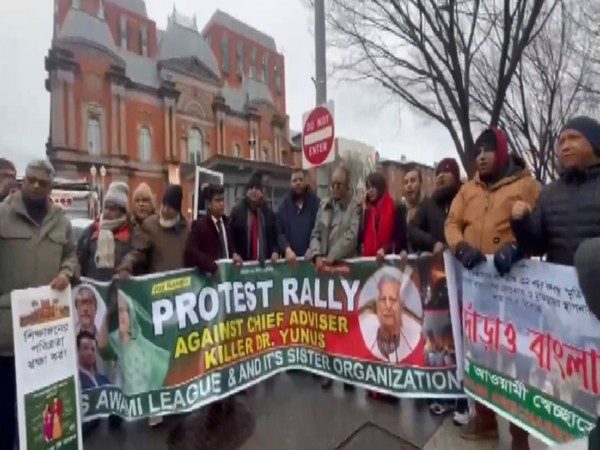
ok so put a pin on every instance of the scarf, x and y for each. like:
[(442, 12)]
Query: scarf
[(379, 226), (105, 248), (257, 247), (168, 224)]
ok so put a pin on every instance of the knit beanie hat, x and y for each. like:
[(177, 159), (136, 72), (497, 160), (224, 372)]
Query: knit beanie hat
[(118, 193), (142, 189), (589, 128), (255, 181), (173, 197), (448, 165)]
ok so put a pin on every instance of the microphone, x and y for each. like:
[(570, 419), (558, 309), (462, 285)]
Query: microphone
[(587, 265)]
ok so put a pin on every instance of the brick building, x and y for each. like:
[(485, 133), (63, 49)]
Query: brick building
[(149, 104)]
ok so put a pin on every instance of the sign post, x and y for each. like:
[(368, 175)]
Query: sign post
[(318, 136)]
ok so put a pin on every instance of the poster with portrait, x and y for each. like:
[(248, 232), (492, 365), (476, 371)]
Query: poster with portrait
[(48, 393), (204, 177)]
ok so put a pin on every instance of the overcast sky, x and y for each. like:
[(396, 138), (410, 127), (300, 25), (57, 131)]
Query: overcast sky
[(25, 34)]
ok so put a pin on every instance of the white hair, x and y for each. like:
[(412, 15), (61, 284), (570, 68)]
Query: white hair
[(40, 164)]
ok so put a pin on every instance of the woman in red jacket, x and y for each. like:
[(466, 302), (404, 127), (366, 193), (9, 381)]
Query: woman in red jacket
[(378, 225), (378, 219)]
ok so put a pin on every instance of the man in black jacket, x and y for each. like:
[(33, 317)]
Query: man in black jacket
[(254, 227), (426, 228), (568, 210), (296, 214)]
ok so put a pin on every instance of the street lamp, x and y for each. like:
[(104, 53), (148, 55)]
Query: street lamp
[(102, 175), (93, 172)]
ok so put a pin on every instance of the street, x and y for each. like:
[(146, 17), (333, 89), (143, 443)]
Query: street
[(292, 412)]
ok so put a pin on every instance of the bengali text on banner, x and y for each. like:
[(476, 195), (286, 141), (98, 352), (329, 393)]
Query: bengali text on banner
[(530, 346), (173, 342)]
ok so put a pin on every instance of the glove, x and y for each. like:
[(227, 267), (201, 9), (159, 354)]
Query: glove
[(468, 256), (505, 257)]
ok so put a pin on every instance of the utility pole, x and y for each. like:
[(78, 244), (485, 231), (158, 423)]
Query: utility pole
[(321, 83)]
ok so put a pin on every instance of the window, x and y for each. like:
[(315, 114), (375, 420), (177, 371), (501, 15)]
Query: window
[(225, 54), (123, 32), (94, 135), (253, 63), (208, 41), (145, 144), (265, 68), (265, 152), (143, 40), (240, 59), (253, 145), (237, 151), (195, 145), (277, 79)]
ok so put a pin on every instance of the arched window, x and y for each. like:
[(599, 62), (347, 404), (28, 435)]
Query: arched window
[(94, 135), (237, 151), (195, 146), (145, 144)]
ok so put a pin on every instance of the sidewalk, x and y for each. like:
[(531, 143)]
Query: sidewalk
[(447, 438)]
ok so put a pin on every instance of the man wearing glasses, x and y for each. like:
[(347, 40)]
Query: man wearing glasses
[(8, 178), (36, 249), (335, 234)]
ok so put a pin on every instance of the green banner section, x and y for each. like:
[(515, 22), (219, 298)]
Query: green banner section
[(222, 383), (531, 348), (172, 342), (526, 406)]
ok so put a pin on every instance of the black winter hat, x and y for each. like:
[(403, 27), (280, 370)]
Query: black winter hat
[(255, 181), (589, 128), (173, 197)]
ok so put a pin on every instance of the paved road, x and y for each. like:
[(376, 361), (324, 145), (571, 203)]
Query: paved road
[(292, 412)]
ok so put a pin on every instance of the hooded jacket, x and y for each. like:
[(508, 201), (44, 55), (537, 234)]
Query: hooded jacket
[(480, 213)]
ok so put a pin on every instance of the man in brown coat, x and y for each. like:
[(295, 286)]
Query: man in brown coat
[(478, 224), (159, 244), (36, 249)]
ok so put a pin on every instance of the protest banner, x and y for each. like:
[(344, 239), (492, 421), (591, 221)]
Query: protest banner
[(48, 392), (530, 346), (173, 342)]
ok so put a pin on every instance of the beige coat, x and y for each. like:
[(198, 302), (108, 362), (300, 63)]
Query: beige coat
[(30, 255), (335, 234)]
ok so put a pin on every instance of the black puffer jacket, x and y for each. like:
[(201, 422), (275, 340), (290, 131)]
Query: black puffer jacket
[(567, 213), (427, 225)]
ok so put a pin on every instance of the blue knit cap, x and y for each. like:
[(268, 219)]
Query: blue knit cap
[(589, 128)]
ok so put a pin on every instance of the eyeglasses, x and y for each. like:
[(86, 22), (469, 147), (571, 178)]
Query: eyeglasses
[(336, 184), (41, 183)]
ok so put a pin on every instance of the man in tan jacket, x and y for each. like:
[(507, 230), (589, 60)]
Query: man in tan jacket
[(478, 224), (36, 249)]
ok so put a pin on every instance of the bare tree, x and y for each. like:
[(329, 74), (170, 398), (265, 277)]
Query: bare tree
[(553, 81), (424, 51)]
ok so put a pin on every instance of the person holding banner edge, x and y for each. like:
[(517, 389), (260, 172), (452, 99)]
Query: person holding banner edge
[(37, 248), (478, 224)]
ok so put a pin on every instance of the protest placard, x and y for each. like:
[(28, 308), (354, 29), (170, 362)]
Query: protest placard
[(48, 393), (531, 348), (173, 342)]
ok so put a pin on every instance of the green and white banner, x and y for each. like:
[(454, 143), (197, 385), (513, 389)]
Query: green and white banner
[(531, 348), (172, 342)]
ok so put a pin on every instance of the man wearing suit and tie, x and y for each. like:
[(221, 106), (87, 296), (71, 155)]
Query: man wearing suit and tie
[(210, 237)]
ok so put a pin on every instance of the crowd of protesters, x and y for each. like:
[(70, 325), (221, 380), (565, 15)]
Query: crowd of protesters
[(502, 211)]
